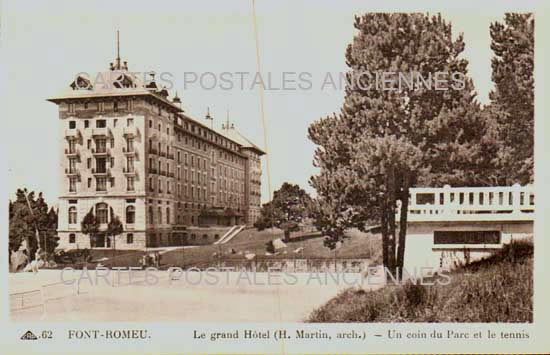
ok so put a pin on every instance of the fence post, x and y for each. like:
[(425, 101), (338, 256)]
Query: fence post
[(446, 199), (515, 196)]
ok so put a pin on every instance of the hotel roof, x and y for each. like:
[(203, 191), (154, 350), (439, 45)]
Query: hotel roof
[(120, 82)]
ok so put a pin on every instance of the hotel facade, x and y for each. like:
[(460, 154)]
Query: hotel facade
[(129, 150)]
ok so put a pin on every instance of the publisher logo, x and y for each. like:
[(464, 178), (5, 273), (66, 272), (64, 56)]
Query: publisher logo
[(29, 336)]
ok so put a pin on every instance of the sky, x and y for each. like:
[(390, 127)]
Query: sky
[(45, 44)]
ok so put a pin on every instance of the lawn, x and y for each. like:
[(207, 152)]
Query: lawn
[(357, 245), (497, 289)]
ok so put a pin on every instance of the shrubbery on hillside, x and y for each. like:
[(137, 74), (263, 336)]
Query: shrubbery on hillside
[(497, 289)]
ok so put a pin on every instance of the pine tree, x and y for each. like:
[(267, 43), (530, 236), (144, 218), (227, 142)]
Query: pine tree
[(21, 224), (512, 100), (383, 142), (28, 218), (287, 209)]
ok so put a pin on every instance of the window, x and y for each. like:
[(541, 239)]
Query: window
[(72, 165), (89, 143), (101, 211), (72, 215), (130, 164), (89, 183), (115, 106), (129, 238), (130, 214), (101, 145), (86, 123), (100, 124), (115, 121), (72, 124), (130, 144), (150, 124), (101, 165), (160, 214), (467, 237), (72, 238), (72, 184), (167, 215), (151, 215), (101, 184), (130, 122), (112, 182), (112, 142), (85, 105)]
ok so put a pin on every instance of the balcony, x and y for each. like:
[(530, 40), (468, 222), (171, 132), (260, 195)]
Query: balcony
[(101, 172), (72, 172), (152, 171), (129, 151), (131, 131), (129, 171), (101, 132), (162, 154), (170, 174), (153, 151), (163, 173), (171, 156), (72, 133), (503, 203), (101, 151), (72, 152)]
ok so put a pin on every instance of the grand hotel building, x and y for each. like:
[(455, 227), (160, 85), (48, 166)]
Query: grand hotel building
[(129, 150)]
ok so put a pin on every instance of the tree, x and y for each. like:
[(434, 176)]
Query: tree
[(90, 226), (388, 139), (286, 210), (21, 224), (46, 223), (331, 214), (114, 228), (52, 238), (30, 221), (512, 100)]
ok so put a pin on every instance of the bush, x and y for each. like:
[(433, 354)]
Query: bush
[(497, 289)]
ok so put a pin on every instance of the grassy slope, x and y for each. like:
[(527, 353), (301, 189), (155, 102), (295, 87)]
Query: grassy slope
[(358, 245), (497, 289)]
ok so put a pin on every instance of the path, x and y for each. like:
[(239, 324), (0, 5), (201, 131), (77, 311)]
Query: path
[(233, 297)]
